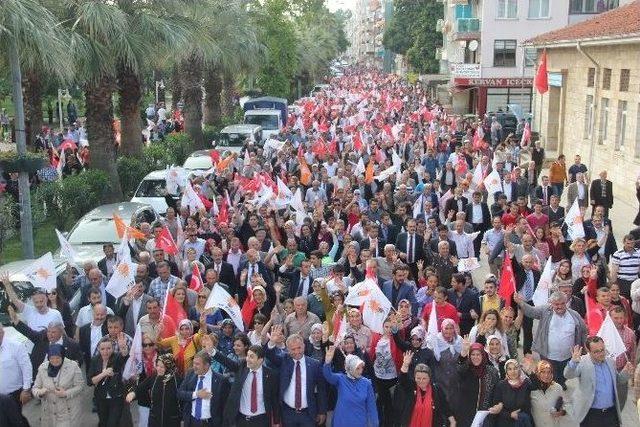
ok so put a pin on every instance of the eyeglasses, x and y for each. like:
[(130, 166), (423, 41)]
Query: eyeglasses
[(148, 344)]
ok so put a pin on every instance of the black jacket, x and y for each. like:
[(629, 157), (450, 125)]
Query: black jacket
[(226, 276), (114, 385), (486, 215), (404, 400), (595, 194), (85, 342), (163, 400), (219, 388), (41, 346)]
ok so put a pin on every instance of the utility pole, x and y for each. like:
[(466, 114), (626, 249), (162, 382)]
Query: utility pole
[(26, 226)]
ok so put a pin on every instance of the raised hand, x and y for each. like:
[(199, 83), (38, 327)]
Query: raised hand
[(407, 357), (466, 345), (328, 357), (576, 354)]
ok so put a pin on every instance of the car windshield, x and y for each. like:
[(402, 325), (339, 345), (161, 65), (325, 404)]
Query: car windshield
[(198, 162), (94, 230), (233, 139), (151, 188), (268, 122)]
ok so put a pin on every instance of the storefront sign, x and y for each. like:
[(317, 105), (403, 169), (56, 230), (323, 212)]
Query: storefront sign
[(497, 82), (471, 71), (555, 79)]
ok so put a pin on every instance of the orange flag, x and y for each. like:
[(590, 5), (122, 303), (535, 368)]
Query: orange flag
[(305, 172), (133, 233), (224, 163), (368, 173)]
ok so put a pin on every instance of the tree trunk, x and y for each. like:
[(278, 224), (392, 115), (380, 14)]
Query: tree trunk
[(213, 91), (176, 88), (32, 105), (131, 122), (229, 92), (192, 93), (99, 111)]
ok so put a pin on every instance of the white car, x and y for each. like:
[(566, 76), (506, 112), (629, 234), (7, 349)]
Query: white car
[(152, 190), (198, 160)]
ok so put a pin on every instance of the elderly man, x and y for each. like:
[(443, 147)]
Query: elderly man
[(301, 320), (161, 284), (91, 334), (463, 241), (578, 190), (15, 369), (559, 330), (151, 324), (85, 314), (36, 316), (386, 264), (444, 263), (225, 271), (132, 306), (97, 281)]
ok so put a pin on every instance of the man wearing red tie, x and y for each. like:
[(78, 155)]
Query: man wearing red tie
[(303, 390), (253, 397)]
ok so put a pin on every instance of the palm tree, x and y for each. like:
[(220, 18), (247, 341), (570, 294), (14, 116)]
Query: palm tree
[(29, 35)]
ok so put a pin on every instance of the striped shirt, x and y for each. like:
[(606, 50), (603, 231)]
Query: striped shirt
[(628, 264)]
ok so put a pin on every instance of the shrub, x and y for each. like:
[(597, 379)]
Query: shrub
[(180, 145), (211, 133), (8, 218), (131, 171)]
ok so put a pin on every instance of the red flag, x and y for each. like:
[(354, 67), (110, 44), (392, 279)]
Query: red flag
[(368, 174), (323, 127), (196, 279), (215, 156), (320, 148), (461, 166), (507, 281), (357, 141), (248, 307), (387, 129), (526, 135), (166, 243), (174, 311), (541, 81), (223, 212), (333, 146)]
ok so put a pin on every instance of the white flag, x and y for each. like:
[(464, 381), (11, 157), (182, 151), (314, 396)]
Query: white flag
[(67, 251), (418, 206), (219, 298), (432, 326), (284, 196), (476, 181), (360, 168), (296, 201), (612, 340), (375, 305), (123, 277), (387, 173), (176, 177), (191, 199), (42, 273), (541, 294), (134, 363), (492, 182), (574, 221)]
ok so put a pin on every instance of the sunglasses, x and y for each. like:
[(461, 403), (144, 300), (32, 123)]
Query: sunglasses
[(148, 344)]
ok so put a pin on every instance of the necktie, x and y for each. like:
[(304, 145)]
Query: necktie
[(198, 400), (527, 288), (254, 393), (218, 268), (302, 287), (544, 195), (298, 386), (374, 248), (410, 254)]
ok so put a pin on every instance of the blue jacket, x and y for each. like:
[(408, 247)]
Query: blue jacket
[(356, 404), (406, 291)]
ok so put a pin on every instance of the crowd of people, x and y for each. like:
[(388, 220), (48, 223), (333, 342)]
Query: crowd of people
[(352, 242)]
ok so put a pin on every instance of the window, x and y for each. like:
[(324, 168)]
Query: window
[(604, 120), (530, 56), (504, 53), (463, 11), (588, 117), (591, 77), (621, 124), (538, 9), (507, 9), (624, 80), (638, 133), (583, 6), (606, 79)]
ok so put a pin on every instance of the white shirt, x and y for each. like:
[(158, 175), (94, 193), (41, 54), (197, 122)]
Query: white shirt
[(506, 189), (476, 211), (304, 286), (561, 337), (85, 315), (205, 413), (581, 190), (245, 397), (290, 392), (96, 336), (110, 263), (15, 366), (39, 321), (136, 303), (234, 260), (162, 114)]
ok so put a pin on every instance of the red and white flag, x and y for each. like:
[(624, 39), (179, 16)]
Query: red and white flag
[(507, 281), (219, 298), (196, 278)]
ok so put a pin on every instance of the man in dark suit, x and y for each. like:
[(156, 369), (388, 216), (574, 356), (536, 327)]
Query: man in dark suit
[(465, 300), (457, 203), (90, 334), (477, 213), (509, 188), (442, 236), (223, 268), (554, 211), (253, 266), (261, 405), (526, 281), (132, 306), (298, 371), (388, 230), (158, 257), (203, 394), (544, 191), (594, 230), (410, 246), (300, 280), (107, 264), (601, 194), (54, 334), (399, 288), (373, 241)]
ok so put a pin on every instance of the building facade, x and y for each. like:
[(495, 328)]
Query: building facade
[(483, 52), (592, 107), (366, 30)]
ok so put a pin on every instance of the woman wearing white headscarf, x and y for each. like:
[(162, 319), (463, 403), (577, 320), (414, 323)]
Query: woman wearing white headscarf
[(495, 353), (356, 404), (446, 349)]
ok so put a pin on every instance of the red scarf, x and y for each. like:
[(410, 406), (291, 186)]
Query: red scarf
[(422, 415), (180, 362), (149, 364)]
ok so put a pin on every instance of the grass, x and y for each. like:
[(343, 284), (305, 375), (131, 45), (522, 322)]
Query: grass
[(44, 239)]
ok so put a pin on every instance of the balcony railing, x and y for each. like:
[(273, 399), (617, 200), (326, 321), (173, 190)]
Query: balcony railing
[(467, 25)]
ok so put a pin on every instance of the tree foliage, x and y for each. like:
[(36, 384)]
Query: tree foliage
[(412, 32)]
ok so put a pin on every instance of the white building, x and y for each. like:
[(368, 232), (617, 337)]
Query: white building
[(366, 30), (483, 52)]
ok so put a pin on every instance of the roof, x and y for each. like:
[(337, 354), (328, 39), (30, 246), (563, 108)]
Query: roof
[(239, 128), (269, 99), (123, 209), (618, 23), (159, 174)]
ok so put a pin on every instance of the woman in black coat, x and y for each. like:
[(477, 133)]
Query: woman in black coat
[(417, 399), (513, 397), (105, 374), (161, 390)]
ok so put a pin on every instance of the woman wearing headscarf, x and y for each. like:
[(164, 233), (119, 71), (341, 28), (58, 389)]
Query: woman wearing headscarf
[(417, 344), (477, 379), (446, 350), (405, 321), (495, 354), (145, 370), (161, 390), (58, 384), (490, 324), (184, 344), (418, 401), (105, 374), (356, 402), (513, 397), (548, 404), (314, 346)]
